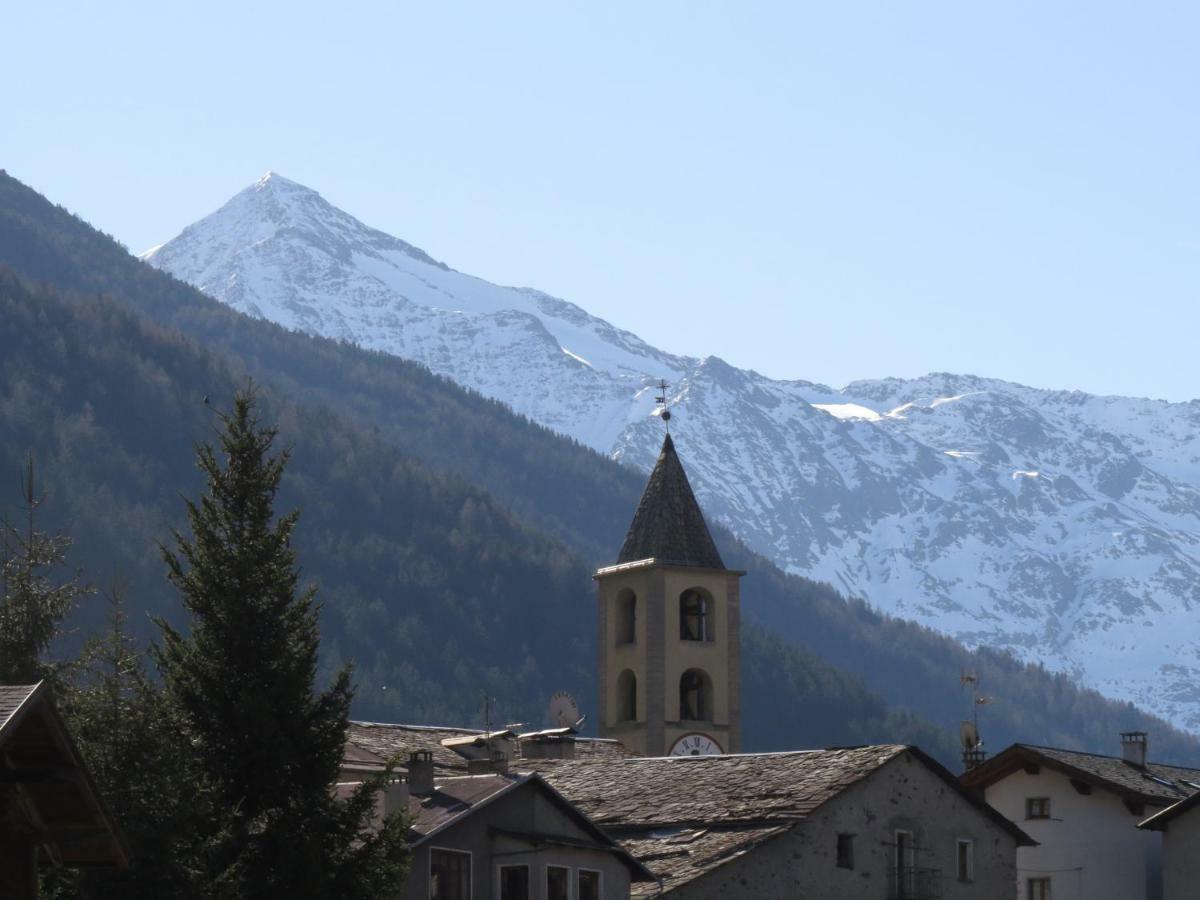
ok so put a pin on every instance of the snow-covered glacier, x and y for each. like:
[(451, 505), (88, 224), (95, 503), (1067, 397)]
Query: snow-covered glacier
[(1061, 526)]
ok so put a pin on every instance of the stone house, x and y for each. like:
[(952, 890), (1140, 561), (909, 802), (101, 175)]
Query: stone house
[(1083, 810), (884, 822)]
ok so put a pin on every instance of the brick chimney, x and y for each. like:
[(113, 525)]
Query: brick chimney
[(1133, 748), (420, 772)]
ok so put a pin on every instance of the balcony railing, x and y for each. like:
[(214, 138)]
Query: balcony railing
[(914, 883)]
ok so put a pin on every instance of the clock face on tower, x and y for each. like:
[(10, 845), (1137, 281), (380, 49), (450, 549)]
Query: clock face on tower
[(695, 744)]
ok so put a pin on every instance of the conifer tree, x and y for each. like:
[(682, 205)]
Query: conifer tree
[(134, 751), (266, 745), (32, 605)]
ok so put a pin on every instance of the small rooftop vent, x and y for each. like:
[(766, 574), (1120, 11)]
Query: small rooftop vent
[(1133, 748)]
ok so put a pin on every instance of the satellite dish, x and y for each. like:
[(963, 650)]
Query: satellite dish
[(970, 735), (564, 711)]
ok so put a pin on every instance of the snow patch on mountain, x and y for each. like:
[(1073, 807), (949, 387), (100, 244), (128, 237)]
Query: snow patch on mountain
[(1059, 525)]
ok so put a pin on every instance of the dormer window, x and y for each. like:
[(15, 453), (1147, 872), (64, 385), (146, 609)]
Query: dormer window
[(694, 624)]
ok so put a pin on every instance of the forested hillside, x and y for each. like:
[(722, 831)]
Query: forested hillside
[(452, 540)]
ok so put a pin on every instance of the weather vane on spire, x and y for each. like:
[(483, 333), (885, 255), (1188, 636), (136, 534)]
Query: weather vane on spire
[(661, 399)]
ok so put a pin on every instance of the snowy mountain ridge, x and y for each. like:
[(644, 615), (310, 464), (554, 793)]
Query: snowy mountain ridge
[(1062, 526)]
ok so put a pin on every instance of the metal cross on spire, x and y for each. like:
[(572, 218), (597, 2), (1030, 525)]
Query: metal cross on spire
[(661, 399)]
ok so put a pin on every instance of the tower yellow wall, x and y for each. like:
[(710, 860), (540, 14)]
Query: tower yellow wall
[(658, 657)]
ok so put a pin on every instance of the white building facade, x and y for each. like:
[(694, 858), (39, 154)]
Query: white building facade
[(1084, 810)]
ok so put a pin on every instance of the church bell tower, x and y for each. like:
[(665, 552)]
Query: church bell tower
[(669, 628)]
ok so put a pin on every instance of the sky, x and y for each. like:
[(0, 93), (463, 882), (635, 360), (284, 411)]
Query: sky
[(823, 191)]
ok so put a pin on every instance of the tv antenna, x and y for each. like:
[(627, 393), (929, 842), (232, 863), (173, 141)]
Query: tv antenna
[(971, 739), (661, 400), (563, 711)]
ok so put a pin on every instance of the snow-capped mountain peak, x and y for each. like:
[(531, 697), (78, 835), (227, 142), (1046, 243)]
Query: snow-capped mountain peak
[(1062, 526)]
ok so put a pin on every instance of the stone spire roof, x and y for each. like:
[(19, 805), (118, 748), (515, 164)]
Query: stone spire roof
[(668, 525)]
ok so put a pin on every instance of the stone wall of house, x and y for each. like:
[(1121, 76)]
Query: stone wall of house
[(903, 795)]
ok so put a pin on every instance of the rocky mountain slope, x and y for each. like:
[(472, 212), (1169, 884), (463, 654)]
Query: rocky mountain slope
[(1061, 526)]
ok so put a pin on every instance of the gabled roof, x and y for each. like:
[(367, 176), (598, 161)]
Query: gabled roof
[(668, 525), (747, 789), (456, 798), (1160, 820), (38, 755), (685, 816), (668, 791), (1156, 784)]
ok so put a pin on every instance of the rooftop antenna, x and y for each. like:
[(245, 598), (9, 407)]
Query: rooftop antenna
[(661, 400), (972, 741)]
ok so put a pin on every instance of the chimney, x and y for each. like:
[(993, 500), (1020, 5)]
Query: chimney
[(497, 765), (1133, 748), (973, 758), (420, 772), (547, 746)]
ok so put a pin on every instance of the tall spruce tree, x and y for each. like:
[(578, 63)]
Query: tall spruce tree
[(32, 604), (266, 743)]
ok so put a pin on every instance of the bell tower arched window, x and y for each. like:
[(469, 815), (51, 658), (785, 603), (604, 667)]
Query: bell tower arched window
[(626, 617), (695, 696), (626, 696), (695, 616)]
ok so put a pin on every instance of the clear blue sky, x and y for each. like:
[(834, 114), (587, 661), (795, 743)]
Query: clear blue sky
[(826, 191)]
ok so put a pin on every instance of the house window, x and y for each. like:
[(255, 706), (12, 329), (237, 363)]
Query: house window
[(1039, 889), (693, 616), (626, 697), (695, 703), (449, 875), (589, 885), (626, 617), (845, 851), (514, 883), (1037, 807), (558, 883), (966, 859)]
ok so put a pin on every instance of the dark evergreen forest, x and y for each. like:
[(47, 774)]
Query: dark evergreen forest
[(452, 542)]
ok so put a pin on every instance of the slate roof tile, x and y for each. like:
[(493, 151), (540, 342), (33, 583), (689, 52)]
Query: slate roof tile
[(668, 524)]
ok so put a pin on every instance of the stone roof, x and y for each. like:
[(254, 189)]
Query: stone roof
[(389, 741), (453, 798), (1156, 783), (678, 855), (713, 790), (668, 525), (684, 816)]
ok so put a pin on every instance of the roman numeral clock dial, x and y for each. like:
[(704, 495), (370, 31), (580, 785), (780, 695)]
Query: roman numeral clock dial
[(695, 744)]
